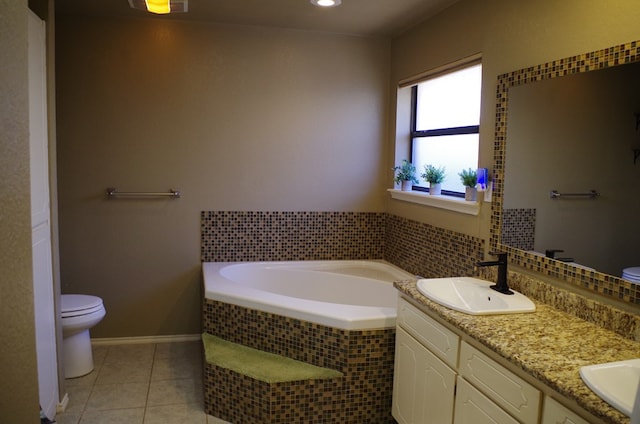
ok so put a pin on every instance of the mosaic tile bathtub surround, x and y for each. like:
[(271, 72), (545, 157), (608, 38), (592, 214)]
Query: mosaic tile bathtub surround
[(601, 283), (366, 358), (229, 236), (423, 249), (429, 251)]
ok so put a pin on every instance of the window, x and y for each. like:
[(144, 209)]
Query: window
[(445, 122)]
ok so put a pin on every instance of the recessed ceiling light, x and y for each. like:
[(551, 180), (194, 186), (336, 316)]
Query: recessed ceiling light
[(326, 3), (160, 6)]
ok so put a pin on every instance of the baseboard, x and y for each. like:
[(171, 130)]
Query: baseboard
[(146, 339), (62, 405)]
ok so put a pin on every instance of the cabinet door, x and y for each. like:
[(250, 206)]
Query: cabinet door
[(513, 394), (423, 386), (554, 413), (472, 407)]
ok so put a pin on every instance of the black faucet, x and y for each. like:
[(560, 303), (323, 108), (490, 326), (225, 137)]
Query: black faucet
[(501, 285), (551, 253)]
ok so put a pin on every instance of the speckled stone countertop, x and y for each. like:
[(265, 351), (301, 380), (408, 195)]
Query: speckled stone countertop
[(549, 345)]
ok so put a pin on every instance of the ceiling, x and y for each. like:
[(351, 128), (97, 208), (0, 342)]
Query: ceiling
[(381, 18)]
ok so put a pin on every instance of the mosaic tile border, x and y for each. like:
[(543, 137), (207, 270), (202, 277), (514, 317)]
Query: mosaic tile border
[(429, 251), (422, 249), (519, 228), (365, 357), (600, 283), (231, 236), (240, 399)]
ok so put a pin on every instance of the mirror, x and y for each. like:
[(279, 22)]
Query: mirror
[(572, 126)]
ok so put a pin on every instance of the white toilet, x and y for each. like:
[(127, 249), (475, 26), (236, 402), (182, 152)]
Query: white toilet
[(79, 313)]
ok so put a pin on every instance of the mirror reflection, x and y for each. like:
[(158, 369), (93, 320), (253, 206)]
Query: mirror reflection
[(574, 134)]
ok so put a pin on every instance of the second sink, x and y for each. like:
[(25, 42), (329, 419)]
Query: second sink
[(473, 296)]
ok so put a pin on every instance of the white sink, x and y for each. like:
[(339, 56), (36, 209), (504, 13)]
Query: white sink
[(473, 296), (615, 382)]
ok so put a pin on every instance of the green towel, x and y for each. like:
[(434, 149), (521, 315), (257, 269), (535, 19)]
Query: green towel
[(259, 365)]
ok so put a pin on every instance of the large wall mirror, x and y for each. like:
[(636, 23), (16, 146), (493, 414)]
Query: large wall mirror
[(571, 127)]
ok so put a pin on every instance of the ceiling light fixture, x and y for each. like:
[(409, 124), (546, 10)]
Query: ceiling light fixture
[(326, 3), (160, 7)]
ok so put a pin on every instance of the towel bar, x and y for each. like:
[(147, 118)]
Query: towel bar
[(113, 192)]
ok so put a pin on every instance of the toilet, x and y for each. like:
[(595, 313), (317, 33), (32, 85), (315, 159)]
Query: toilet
[(632, 274), (79, 313)]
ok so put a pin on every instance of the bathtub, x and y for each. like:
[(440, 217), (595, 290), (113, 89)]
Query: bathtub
[(346, 294)]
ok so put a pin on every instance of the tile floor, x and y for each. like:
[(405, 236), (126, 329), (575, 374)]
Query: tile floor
[(140, 384)]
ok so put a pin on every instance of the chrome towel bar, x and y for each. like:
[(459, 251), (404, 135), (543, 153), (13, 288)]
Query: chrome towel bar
[(592, 194), (113, 192)]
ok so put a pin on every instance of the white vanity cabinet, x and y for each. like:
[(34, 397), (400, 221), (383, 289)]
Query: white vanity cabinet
[(431, 360), (555, 413), (510, 392), (424, 386), (472, 407), (424, 378)]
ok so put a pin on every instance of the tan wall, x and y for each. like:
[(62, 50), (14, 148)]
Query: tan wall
[(510, 35), (19, 392), (147, 105), (238, 118)]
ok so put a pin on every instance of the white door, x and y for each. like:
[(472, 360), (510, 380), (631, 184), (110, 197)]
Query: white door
[(41, 220)]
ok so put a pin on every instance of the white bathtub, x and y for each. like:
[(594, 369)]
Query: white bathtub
[(351, 295)]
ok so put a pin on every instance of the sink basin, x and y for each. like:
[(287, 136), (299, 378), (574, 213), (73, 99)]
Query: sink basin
[(473, 296), (615, 382)]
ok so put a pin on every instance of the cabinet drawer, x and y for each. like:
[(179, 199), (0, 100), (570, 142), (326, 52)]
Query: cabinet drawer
[(441, 341), (509, 391), (472, 407), (555, 413)]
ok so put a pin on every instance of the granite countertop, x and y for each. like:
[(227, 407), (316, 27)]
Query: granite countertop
[(549, 345)]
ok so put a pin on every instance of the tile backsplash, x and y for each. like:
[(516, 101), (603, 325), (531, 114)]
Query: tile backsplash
[(422, 249)]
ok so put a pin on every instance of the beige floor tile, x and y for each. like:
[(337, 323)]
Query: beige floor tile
[(130, 354), (114, 416), (124, 372), (78, 397), (175, 414), (68, 417), (99, 353), (174, 367), (85, 380), (184, 349), (117, 396), (182, 391)]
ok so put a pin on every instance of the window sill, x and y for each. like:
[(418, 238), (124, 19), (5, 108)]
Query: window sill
[(443, 202)]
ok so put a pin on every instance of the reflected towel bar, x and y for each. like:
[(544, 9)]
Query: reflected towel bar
[(592, 194), (113, 192)]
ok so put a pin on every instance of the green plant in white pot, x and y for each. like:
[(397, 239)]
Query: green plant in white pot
[(405, 175), (469, 178), (434, 176)]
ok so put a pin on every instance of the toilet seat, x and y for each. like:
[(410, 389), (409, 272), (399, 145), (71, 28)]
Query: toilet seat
[(73, 305)]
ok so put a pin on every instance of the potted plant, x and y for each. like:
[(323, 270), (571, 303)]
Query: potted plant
[(469, 178), (405, 175), (434, 176)]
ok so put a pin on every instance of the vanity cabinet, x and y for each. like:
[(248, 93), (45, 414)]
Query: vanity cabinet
[(439, 379), (424, 386), (555, 413), (472, 407), (510, 392), (424, 377)]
